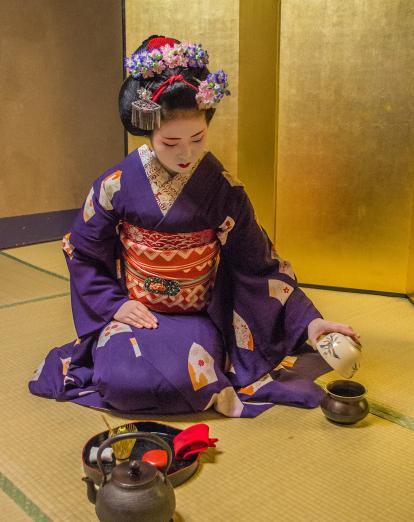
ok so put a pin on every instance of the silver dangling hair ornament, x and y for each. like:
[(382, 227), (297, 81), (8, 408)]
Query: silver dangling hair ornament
[(146, 114)]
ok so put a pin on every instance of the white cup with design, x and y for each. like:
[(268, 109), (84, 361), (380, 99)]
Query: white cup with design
[(340, 352)]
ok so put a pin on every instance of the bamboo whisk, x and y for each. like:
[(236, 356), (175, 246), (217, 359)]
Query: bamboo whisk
[(122, 449)]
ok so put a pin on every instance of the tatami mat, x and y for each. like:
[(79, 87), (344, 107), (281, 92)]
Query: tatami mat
[(386, 326), (48, 256), (20, 283), (289, 464), (11, 511)]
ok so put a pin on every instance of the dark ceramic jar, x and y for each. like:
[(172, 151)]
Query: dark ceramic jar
[(345, 402)]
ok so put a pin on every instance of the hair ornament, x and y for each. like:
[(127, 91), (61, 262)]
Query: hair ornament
[(146, 114), (152, 61), (212, 90), (162, 53)]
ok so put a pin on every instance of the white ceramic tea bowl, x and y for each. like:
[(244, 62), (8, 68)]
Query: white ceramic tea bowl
[(340, 352)]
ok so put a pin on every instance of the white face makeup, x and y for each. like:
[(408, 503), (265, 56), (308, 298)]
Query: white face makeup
[(180, 142)]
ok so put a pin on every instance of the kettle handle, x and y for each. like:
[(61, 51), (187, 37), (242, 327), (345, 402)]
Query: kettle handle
[(136, 435)]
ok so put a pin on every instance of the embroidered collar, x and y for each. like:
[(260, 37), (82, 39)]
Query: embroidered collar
[(165, 186)]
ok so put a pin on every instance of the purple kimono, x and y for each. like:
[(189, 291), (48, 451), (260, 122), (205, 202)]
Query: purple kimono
[(242, 353)]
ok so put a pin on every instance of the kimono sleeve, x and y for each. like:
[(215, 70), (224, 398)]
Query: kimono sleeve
[(265, 286), (92, 254)]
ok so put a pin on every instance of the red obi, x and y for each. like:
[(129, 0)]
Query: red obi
[(170, 272)]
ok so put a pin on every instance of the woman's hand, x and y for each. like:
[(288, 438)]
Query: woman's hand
[(136, 314), (318, 327)]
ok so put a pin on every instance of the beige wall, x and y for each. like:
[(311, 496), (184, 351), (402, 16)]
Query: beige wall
[(214, 23), (345, 148), (61, 69)]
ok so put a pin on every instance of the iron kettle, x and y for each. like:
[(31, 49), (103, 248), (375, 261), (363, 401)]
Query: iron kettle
[(137, 491)]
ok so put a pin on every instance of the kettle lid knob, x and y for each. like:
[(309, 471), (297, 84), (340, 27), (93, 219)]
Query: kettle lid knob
[(133, 474), (134, 469)]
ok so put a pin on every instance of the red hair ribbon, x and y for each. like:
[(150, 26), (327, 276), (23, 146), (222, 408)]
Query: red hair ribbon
[(170, 81)]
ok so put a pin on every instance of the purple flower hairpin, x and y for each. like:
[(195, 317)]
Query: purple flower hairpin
[(212, 90)]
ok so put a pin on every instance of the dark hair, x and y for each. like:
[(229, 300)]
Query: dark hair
[(176, 99)]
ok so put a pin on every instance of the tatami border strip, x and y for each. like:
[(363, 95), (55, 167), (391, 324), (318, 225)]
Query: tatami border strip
[(353, 290), (30, 265), (385, 412), (17, 495), (391, 415), (34, 300)]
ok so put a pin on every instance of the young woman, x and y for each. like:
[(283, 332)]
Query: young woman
[(179, 299)]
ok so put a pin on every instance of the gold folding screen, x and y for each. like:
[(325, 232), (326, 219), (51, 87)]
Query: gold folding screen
[(257, 117), (410, 277), (345, 181)]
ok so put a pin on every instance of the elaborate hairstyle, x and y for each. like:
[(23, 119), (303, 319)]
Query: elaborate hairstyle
[(175, 99)]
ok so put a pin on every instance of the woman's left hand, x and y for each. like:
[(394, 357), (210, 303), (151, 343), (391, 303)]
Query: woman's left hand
[(318, 327)]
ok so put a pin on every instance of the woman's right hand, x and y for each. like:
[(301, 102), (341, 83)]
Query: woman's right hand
[(136, 314)]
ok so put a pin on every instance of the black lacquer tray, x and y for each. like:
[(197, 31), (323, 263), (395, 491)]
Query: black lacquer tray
[(179, 472)]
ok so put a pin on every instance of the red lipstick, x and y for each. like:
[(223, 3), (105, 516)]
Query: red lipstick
[(183, 165)]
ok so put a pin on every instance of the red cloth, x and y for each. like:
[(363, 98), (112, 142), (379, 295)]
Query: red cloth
[(192, 440)]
